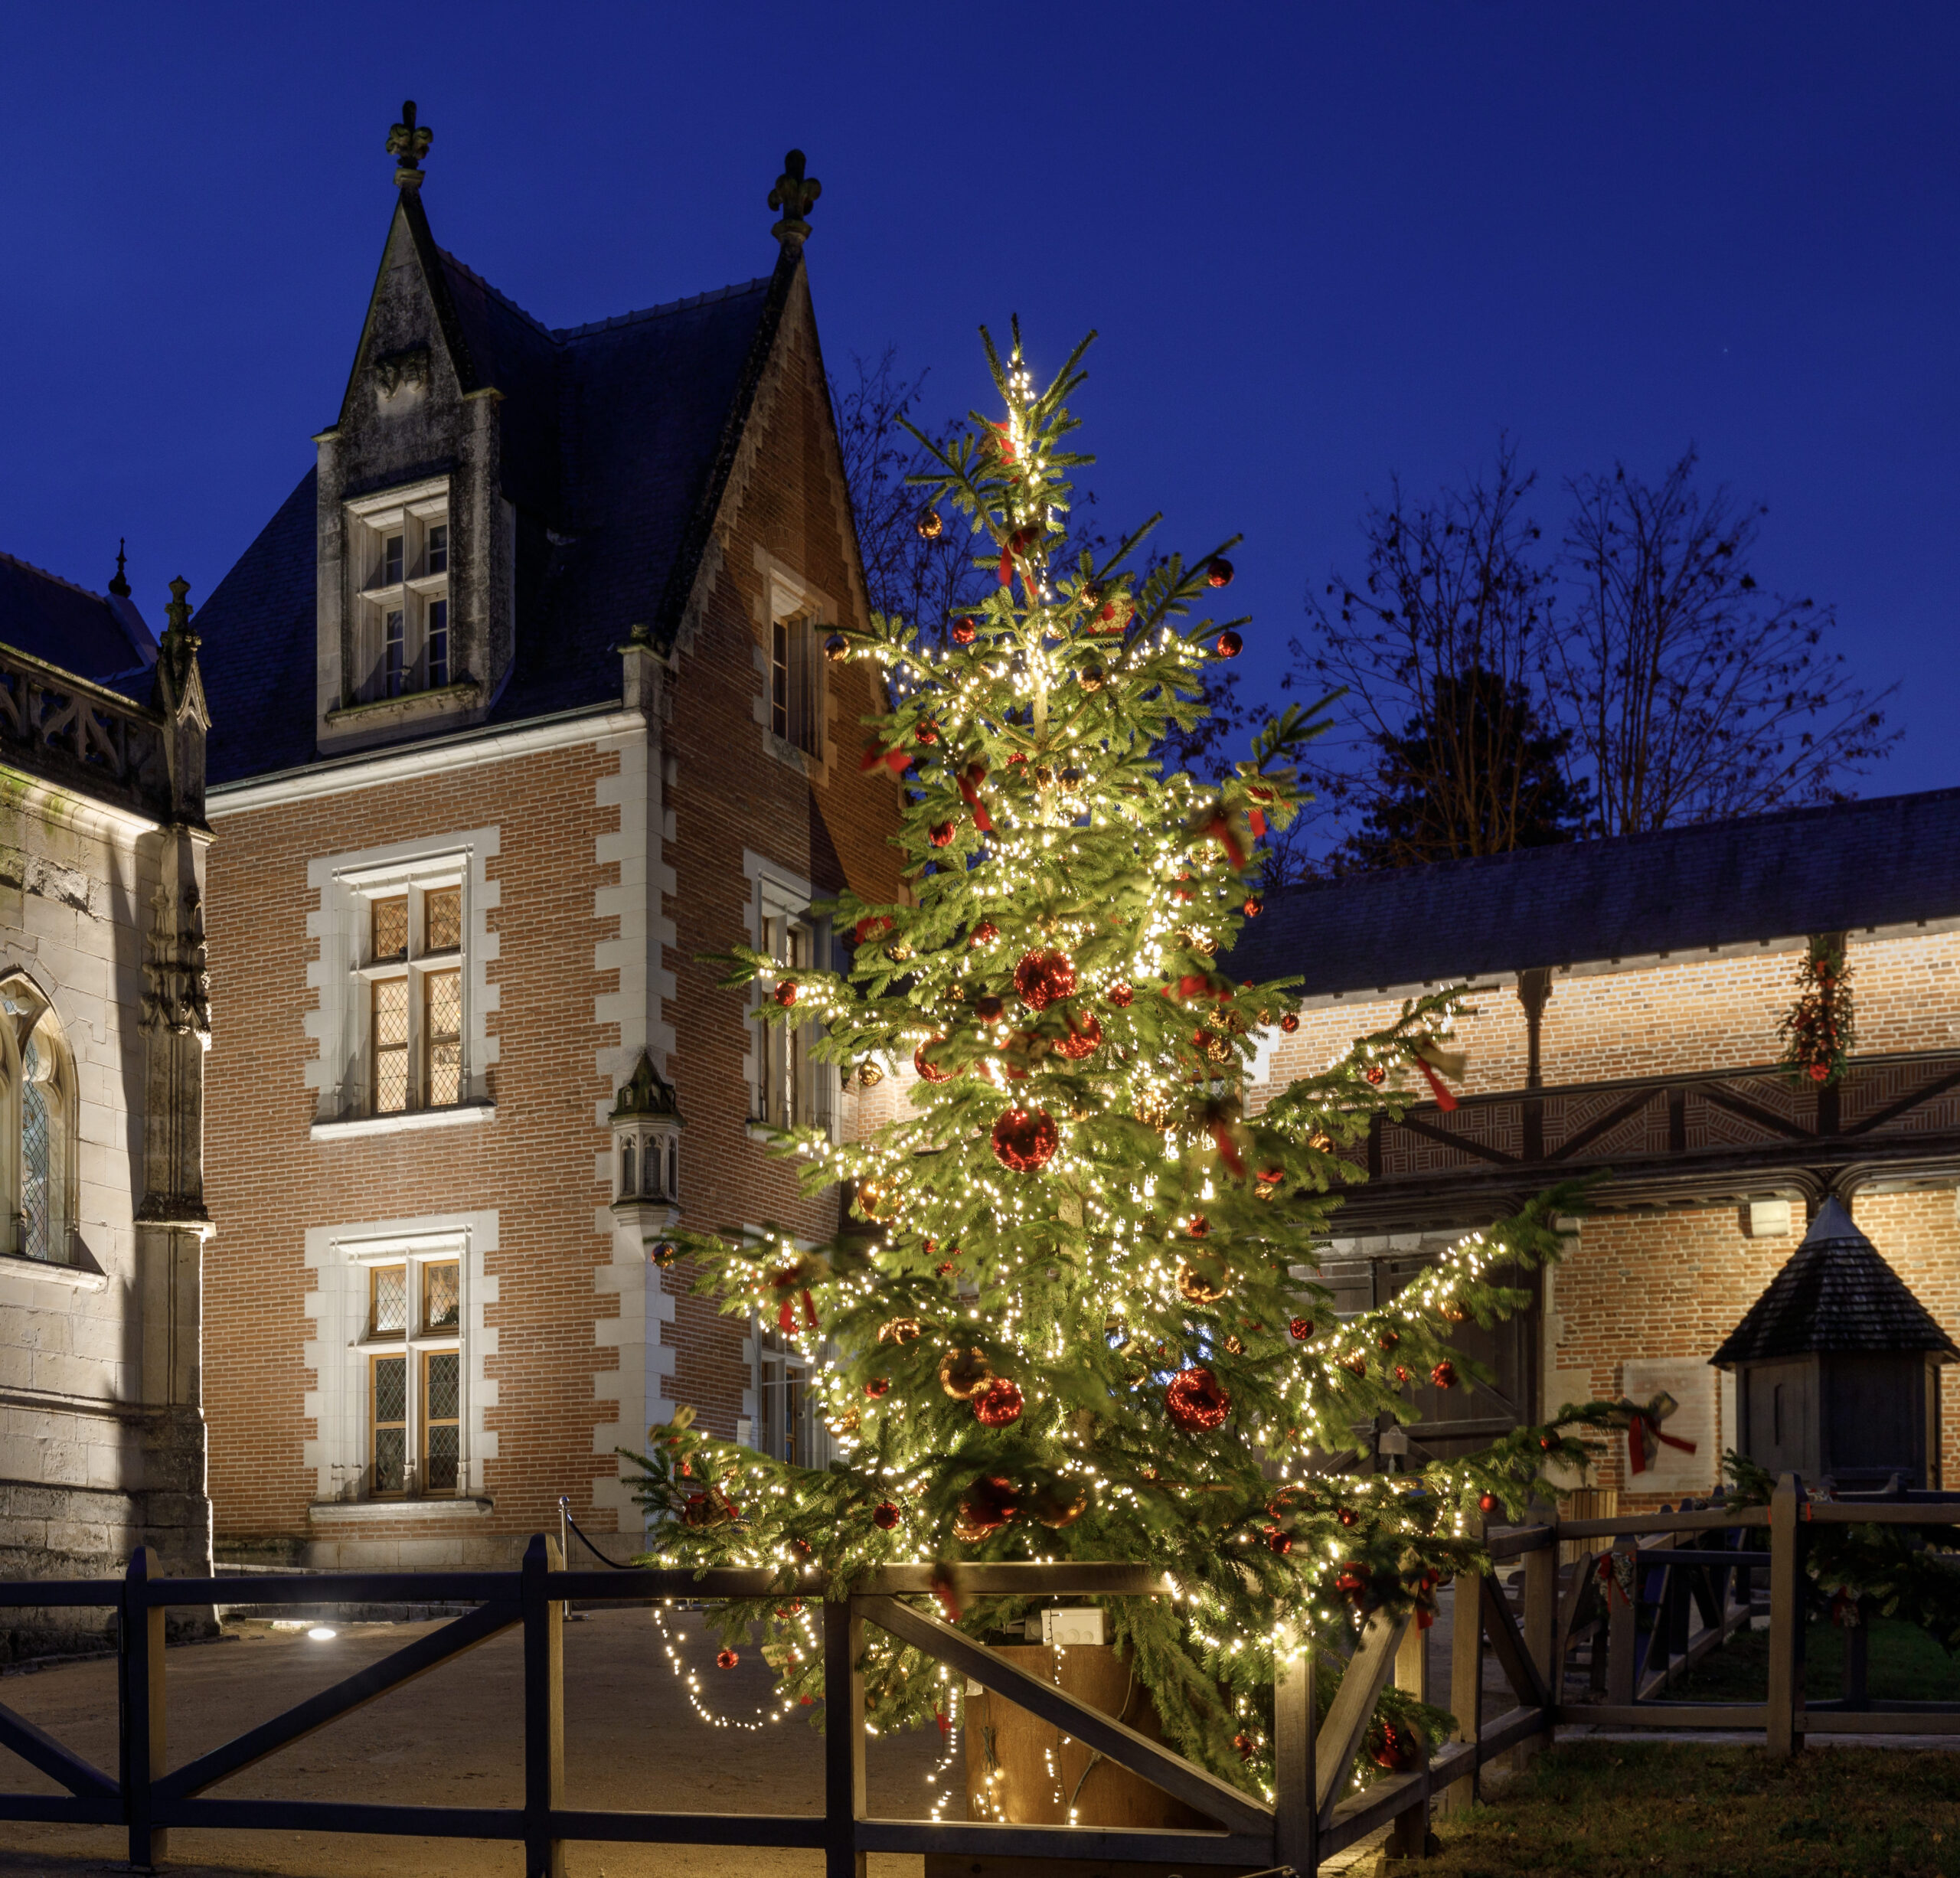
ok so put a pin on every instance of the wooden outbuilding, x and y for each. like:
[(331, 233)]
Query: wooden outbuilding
[(1837, 1367)]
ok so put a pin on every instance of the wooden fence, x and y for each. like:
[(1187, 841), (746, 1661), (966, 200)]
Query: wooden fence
[(1638, 1615)]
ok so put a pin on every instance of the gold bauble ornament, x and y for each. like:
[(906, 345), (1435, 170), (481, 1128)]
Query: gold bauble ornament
[(1203, 1283), (899, 1331), (963, 1373)]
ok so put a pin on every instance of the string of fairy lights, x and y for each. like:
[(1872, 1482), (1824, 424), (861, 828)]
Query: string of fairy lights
[(1018, 747)]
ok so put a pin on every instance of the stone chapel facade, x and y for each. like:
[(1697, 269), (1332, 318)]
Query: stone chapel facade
[(520, 708), (1625, 998), (104, 1024)]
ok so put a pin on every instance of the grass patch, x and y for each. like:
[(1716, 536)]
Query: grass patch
[(1904, 1664), (1665, 1810)]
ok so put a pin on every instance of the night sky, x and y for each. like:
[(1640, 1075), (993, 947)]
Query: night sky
[(1321, 245)]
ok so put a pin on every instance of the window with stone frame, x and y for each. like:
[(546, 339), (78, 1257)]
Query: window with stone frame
[(413, 1350), (37, 1090), (413, 968), (796, 681), (792, 1086), (399, 636)]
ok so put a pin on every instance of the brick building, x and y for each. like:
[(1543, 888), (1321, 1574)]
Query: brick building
[(103, 1025), (519, 707), (1627, 996)]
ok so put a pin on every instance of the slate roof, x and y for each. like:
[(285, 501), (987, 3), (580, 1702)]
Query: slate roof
[(1836, 1295), (618, 437), (94, 635), (1890, 860)]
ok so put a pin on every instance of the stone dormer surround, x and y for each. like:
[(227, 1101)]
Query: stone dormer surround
[(416, 424)]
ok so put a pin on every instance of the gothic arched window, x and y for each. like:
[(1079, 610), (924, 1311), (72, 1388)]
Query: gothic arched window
[(38, 1085)]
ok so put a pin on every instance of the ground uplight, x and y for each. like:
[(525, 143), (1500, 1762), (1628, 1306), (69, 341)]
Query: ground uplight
[(322, 1633)]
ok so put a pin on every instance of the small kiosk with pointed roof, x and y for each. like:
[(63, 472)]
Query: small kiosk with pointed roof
[(1837, 1367)]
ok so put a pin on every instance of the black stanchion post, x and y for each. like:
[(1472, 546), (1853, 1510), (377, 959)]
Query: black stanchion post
[(544, 1708), (139, 1646)]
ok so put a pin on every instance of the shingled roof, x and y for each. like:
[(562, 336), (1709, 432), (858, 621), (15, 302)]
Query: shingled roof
[(95, 635), (619, 437), (1835, 1295), (1893, 860)]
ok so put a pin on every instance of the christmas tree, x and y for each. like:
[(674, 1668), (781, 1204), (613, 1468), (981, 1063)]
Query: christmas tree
[(1067, 1317)]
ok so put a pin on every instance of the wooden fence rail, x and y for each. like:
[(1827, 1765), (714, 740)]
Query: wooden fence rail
[(1668, 1589)]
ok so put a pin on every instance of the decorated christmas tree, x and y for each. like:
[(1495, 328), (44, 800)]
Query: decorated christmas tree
[(1072, 1313)]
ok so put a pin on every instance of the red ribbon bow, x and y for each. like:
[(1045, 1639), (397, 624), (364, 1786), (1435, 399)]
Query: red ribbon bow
[(786, 1282), (897, 761), (968, 781)]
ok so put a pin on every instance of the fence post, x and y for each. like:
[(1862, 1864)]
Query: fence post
[(1541, 1619), (1409, 1834), (1296, 1819), (544, 1708), (1786, 1692), (1466, 1670), (1623, 1621), (843, 1737), (139, 1646)]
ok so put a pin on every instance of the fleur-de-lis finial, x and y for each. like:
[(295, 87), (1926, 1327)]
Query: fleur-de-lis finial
[(794, 193), (179, 610), (408, 143)]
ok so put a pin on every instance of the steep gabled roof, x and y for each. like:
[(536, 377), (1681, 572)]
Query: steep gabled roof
[(1835, 1295), (95, 635), (618, 438), (1892, 860)]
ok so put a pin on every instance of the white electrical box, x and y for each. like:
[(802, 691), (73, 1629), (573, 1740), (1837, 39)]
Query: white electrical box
[(1072, 1628), (1767, 1218)]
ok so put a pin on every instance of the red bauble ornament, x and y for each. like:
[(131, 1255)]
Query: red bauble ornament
[(785, 993), (940, 834), (1385, 1340), (1247, 1745), (999, 1404), (1488, 1503), (984, 934), (1301, 1329), (1375, 1074), (965, 632), (928, 1070), (1120, 996), (1347, 1515), (885, 1516), (985, 1508), (1444, 1374), (988, 1009), (1392, 1749), (1025, 1139), (871, 926), (1083, 1040), (1254, 905), (928, 732), (1199, 1226), (1043, 977), (1195, 1401), (1401, 1374), (1230, 645), (1280, 1542), (878, 1385), (1355, 1363), (1290, 1024), (1218, 571), (725, 1659)]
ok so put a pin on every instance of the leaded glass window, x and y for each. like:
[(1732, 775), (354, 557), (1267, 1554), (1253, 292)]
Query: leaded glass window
[(443, 1027), (389, 1424), (441, 1417), (390, 1046), (443, 916), (441, 1297), (37, 1159), (388, 1300)]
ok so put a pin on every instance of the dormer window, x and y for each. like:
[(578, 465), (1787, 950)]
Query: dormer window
[(400, 641)]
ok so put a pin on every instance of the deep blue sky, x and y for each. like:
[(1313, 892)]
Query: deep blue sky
[(1321, 244)]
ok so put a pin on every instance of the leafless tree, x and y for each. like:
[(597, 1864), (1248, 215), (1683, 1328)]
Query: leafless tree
[(1691, 695), (1445, 750)]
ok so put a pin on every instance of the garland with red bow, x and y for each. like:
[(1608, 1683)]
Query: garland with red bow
[(1818, 1031)]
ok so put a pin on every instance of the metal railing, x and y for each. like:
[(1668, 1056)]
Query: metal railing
[(1314, 1814)]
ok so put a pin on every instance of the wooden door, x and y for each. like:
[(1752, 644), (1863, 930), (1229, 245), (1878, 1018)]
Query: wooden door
[(1452, 1423)]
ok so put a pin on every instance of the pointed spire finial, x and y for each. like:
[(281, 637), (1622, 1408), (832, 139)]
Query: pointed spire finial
[(795, 194), (178, 612), (119, 587), (408, 143)]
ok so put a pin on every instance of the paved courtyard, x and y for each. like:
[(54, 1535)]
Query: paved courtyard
[(454, 1738)]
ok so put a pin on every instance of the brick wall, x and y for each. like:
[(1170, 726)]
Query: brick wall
[(725, 794)]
